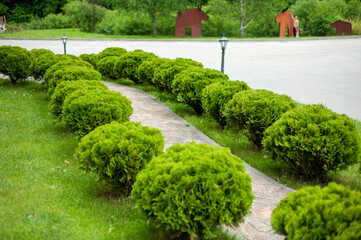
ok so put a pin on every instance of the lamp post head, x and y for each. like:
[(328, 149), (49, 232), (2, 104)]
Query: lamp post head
[(223, 41), (64, 39)]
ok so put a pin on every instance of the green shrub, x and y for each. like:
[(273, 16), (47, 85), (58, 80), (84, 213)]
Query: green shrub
[(188, 85), (127, 64), (63, 57), (90, 58), (72, 73), (106, 66), (111, 51), (49, 74), (165, 73), (145, 71), (313, 140), (194, 188), (253, 111), (118, 152), (332, 212), (42, 63), (51, 21), (84, 110), (16, 62), (38, 52), (68, 87), (122, 22), (216, 95)]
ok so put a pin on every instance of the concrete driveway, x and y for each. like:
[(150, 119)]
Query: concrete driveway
[(326, 71)]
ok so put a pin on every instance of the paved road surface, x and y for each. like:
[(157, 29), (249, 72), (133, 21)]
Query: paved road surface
[(310, 71)]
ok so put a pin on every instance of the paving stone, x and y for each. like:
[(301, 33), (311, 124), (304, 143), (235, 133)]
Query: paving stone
[(151, 112)]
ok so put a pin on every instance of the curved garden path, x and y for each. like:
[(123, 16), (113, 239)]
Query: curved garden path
[(151, 112)]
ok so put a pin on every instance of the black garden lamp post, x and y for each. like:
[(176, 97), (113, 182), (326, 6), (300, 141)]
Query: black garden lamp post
[(64, 39), (223, 41)]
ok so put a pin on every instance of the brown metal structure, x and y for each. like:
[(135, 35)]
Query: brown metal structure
[(342, 27), (190, 18), (286, 22)]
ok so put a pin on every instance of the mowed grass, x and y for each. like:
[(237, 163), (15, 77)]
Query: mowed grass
[(43, 193), (243, 148)]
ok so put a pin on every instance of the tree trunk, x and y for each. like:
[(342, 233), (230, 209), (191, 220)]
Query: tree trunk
[(154, 26)]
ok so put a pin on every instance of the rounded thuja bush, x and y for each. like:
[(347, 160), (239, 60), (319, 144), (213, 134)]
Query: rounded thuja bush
[(84, 110), (146, 70), (106, 66), (111, 51), (49, 74), (253, 111), (68, 87), (193, 188), (332, 212), (188, 85), (72, 73), (90, 58), (127, 65), (118, 152), (165, 73), (42, 63), (312, 140), (16, 62), (216, 95)]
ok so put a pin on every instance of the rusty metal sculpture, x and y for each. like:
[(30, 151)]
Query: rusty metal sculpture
[(190, 18), (342, 27), (286, 22)]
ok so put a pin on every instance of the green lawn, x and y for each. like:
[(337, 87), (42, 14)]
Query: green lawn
[(43, 194), (76, 33)]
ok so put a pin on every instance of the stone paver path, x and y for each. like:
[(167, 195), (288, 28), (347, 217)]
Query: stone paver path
[(151, 112)]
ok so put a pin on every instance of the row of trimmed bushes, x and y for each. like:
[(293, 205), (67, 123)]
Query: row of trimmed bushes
[(117, 152), (208, 186), (309, 140)]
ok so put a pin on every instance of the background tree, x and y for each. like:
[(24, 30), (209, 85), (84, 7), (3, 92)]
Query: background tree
[(245, 11), (85, 13)]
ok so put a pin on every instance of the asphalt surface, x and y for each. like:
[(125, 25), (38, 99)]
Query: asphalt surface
[(326, 71)]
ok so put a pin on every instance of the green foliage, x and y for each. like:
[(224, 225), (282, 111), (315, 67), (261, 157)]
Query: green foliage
[(106, 66), (66, 88), (90, 58), (118, 152), (315, 16), (216, 25), (313, 140), (72, 73), (63, 63), (16, 62), (127, 65), (193, 188), (84, 110), (146, 70), (332, 212), (84, 13), (253, 111), (188, 85), (42, 63), (111, 51), (165, 73), (216, 95), (51, 21), (125, 23), (20, 14)]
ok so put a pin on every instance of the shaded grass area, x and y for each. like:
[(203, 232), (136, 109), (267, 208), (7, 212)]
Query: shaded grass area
[(242, 147), (43, 193)]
